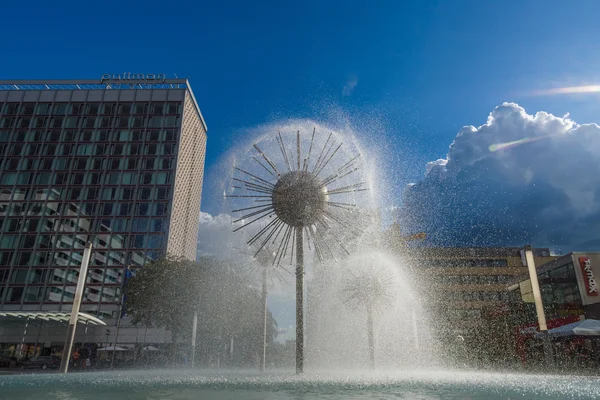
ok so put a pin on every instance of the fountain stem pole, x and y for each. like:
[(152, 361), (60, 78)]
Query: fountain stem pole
[(370, 335), (264, 301), (194, 329), (299, 302)]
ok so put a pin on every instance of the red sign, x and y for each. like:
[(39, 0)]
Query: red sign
[(588, 276)]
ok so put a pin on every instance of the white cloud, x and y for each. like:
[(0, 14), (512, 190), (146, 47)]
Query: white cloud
[(216, 237), (544, 188), (350, 85)]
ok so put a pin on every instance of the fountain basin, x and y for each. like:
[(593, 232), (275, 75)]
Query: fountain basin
[(250, 385)]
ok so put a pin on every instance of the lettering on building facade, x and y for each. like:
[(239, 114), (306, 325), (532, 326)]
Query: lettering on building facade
[(588, 276), (128, 77)]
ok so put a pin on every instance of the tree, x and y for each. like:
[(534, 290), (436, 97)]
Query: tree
[(167, 292), (164, 294)]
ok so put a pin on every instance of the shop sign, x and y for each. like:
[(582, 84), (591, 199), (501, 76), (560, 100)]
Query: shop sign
[(588, 276), (128, 77)]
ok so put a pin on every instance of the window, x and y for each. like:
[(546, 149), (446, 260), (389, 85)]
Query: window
[(145, 193), (140, 108), (124, 108), (92, 194), (115, 163), (139, 241), (108, 209), (92, 108), (23, 258), (142, 209), (126, 194), (8, 178), (128, 178), (43, 108), (124, 208), (173, 108), (139, 225), (14, 294), (171, 121), (60, 108), (160, 209), (94, 178), (157, 225), (131, 163), (155, 241), (8, 241), (13, 225), (148, 163), (158, 108), (113, 178), (76, 109), (121, 225), (109, 194), (108, 108), (27, 242)]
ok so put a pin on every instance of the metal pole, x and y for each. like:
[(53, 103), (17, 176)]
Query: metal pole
[(299, 302), (37, 338), (112, 359), (539, 306), (64, 362), (194, 327), (415, 329), (23, 339), (264, 301), (370, 335)]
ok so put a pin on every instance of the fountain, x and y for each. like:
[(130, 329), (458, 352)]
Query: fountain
[(334, 247)]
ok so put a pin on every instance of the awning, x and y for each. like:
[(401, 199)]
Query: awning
[(47, 317), (588, 327), (113, 348)]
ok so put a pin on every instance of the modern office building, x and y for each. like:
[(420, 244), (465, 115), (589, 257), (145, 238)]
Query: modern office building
[(462, 284), (117, 161)]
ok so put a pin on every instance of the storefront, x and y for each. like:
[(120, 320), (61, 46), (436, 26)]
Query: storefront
[(569, 295)]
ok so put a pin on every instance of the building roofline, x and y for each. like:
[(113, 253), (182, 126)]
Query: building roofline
[(189, 87), (100, 84), (77, 81)]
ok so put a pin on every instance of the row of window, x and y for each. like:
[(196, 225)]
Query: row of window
[(477, 296), (86, 178), (69, 241), (87, 149), (169, 121), (40, 276), (58, 294), (91, 135), (87, 163), (67, 257), (474, 279), (82, 224), (90, 108), (466, 263), (76, 193)]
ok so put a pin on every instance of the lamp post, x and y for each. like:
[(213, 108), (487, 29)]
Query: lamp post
[(539, 306), (64, 362)]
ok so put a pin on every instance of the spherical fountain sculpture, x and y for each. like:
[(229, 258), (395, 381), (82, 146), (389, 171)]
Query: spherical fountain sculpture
[(297, 200)]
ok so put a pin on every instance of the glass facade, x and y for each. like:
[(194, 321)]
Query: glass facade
[(72, 172), (559, 289)]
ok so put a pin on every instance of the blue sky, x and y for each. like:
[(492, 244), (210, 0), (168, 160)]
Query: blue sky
[(416, 70)]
